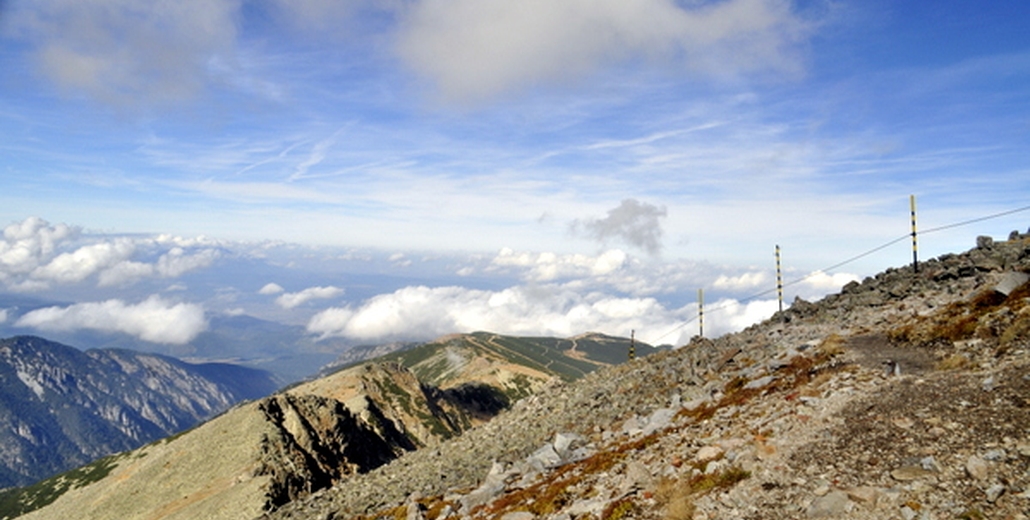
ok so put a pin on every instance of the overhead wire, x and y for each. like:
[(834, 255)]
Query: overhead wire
[(843, 263)]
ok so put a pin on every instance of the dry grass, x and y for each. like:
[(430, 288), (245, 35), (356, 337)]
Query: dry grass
[(978, 317), (953, 362), (674, 495), (677, 496), (833, 345)]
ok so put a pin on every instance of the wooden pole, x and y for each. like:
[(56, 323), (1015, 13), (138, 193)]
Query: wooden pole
[(701, 312), (915, 254), (779, 278)]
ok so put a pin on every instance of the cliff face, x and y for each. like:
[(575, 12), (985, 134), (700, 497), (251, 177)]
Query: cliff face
[(61, 407)]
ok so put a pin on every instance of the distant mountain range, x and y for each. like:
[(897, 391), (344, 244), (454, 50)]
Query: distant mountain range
[(288, 351), (263, 454), (61, 407)]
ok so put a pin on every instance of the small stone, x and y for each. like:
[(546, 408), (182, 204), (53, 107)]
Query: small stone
[(518, 515), (907, 473), (864, 494), (715, 466), (995, 455), (987, 384), (929, 464), (414, 512), (759, 383), (994, 492), (1011, 281), (832, 504), (903, 422), (708, 453), (976, 467), (907, 513)]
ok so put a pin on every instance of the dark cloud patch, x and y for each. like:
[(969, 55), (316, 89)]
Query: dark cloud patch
[(633, 222)]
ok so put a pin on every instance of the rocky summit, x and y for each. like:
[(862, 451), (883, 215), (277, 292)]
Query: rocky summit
[(904, 396)]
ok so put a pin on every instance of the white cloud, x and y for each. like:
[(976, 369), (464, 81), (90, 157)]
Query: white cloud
[(153, 319), (124, 273), (29, 242), (400, 260), (271, 288), (543, 267), (177, 261), (84, 262), (3, 315), (818, 283), (420, 312), (291, 300), (473, 50), (35, 255), (743, 282)]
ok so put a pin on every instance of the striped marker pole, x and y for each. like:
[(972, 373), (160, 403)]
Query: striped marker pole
[(779, 278), (915, 253), (632, 345), (701, 312)]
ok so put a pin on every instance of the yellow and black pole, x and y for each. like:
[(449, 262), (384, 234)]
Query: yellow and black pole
[(632, 344), (701, 313), (915, 250), (779, 278)]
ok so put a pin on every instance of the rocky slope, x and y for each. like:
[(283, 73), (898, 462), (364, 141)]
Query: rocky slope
[(905, 396), (61, 407)]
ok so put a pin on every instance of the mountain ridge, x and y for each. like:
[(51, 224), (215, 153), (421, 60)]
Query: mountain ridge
[(62, 407)]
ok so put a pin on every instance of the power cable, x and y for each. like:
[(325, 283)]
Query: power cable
[(846, 262)]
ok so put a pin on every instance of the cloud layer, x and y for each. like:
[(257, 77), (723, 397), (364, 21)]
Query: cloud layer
[(35, 255), (154, 319), (420, 312)]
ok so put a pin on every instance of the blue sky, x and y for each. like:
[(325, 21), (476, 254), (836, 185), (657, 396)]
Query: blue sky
[(533, 167)]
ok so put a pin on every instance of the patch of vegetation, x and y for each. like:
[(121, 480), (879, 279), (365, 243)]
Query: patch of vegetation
[(19, 501), (521, 386), (953, 362), (988, 315), (622, 508), (972, 514), (833, 345), (677, 496)]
